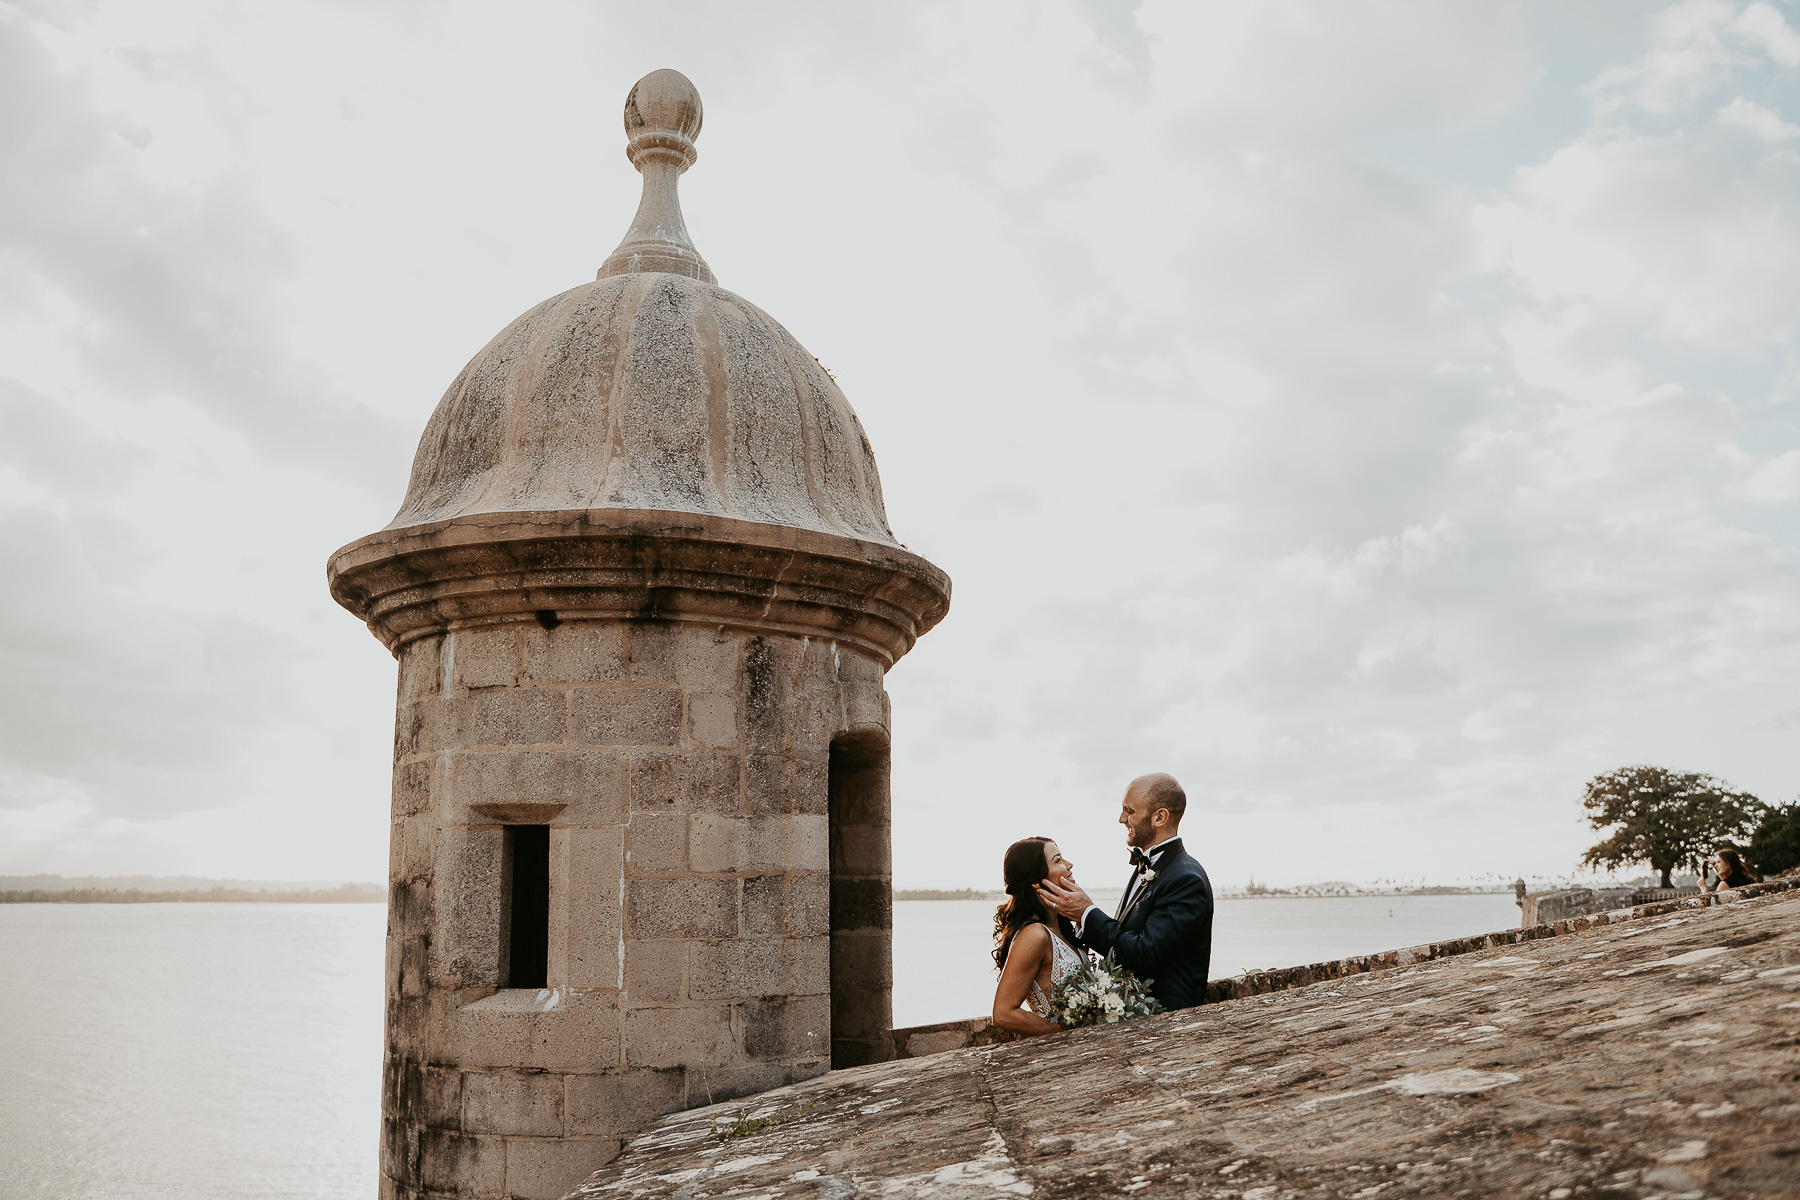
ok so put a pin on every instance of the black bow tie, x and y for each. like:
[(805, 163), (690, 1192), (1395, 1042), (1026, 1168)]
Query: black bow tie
[(1140, 860)]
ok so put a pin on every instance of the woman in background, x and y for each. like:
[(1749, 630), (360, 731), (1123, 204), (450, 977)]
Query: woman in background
[(1731, 871)]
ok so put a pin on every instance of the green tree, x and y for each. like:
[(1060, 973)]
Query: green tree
[(1775, 846), (1664, 818)]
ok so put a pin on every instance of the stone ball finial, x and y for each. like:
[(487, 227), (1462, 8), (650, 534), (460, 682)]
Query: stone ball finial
[(662, 119), (663, 113)]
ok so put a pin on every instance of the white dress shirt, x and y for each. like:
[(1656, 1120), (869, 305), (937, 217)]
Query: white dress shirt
[(1153, 853)]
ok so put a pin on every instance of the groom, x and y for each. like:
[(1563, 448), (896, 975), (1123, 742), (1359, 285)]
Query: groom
[(1163, 928)]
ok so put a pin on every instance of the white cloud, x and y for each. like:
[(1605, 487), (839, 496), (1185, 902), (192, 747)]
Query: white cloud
[(1763, 25), (1694, 47), (1651, 236), (1773, 481), (1382, 506), (1758, 121), (1687, 54)]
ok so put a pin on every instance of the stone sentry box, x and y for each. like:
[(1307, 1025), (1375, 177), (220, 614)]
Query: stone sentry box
[(643, 593)]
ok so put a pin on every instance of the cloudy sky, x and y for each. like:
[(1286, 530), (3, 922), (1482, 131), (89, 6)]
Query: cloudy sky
[(1384, 417)]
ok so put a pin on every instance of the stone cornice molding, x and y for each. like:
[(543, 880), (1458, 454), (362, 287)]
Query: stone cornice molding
[(509, 567)]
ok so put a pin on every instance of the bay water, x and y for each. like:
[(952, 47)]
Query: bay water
[(233, 1051)]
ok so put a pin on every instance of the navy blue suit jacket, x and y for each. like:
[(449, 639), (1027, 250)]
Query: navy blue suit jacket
[(1166, 934)]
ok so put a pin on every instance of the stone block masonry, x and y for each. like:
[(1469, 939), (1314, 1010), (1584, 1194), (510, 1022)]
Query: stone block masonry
[(690, 934)]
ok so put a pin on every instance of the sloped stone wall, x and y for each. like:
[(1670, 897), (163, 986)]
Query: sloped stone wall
[(1645, 1054), (978, 1031)]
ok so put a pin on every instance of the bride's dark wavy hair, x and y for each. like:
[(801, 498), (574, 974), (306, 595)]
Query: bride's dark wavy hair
[(1025, 864)]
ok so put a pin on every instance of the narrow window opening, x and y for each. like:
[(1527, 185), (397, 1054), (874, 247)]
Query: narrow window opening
[(527, 892), (862, 904)]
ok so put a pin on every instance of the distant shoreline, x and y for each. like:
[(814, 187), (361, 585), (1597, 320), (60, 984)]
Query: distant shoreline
[(350, 893)]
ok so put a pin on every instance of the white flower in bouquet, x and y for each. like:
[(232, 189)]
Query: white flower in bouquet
[(1102, 993)]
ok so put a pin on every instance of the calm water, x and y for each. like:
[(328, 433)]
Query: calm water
[(943, 952), (234, 1050), (190, 1050)]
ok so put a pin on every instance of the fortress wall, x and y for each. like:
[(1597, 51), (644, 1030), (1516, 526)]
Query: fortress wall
[(1649, 1054), (1547, 908), (921, 1040)]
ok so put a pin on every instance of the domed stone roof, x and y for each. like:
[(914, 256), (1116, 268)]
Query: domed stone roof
[(646, 445), (649, 390)]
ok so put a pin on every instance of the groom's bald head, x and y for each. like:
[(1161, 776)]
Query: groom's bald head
[(1152, 809), (1159, 790)]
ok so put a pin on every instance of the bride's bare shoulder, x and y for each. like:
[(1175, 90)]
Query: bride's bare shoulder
[(1033, 939)]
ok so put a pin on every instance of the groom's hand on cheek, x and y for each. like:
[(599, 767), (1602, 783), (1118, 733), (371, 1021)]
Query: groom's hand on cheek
[(1066, 898)]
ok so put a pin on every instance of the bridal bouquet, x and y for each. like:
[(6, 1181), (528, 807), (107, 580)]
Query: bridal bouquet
[(1100, 994)]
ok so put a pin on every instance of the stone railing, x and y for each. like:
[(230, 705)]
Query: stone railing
[(1657, 895), (959, 1035), (1547, 908), (949, 1035)]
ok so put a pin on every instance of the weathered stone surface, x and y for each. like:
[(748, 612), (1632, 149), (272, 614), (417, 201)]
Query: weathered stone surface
[(648, 348), (684, 782), (712, 719), (654, 971), (1650, 1054), (742, 968), (587, 868), (716, 843), (546, 1168), (485, 658), (537, 1031), (589, 784), (504, 1102), (1258, 983), (627, 717), (463, 1166), (657, 843), (682, 908), (785, 1028), (440, 1091), (586, 650), (787, 905), (623, 1100), (698, 659), (629, 564), (519, 717), (465, 951), (412, 788), (674, 1037)]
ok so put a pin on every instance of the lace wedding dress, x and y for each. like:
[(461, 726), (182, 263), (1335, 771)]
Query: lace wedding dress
[(1065, 960)]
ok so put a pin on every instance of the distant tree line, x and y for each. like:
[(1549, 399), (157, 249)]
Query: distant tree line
[(1668, 819), (350, 893)]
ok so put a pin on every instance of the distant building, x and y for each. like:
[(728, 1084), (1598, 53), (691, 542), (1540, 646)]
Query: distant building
[(643, 594)]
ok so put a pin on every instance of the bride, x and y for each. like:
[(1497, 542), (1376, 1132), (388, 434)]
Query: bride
[(1034, 949)]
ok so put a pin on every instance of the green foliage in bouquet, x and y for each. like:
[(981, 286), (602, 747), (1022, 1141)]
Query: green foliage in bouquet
[(1101, 993)]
